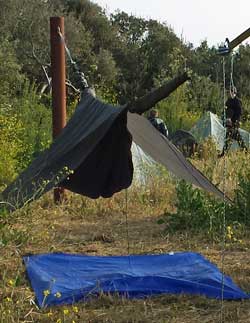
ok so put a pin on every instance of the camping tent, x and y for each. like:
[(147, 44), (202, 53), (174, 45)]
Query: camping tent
[(184, 141), (144, 166), (210, 125)]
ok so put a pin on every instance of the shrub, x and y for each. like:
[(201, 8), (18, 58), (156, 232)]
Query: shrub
[(25, 130), (197, 211), (11, 146), (36, 120)]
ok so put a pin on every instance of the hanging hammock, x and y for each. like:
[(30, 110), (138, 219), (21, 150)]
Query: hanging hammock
[(92, 154)]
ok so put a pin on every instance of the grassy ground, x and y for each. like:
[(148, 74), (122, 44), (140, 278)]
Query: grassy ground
[(103, 227)]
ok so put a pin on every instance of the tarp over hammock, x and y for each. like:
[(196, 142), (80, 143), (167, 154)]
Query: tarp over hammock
[(70, 278), (164, 152), (96, 144)]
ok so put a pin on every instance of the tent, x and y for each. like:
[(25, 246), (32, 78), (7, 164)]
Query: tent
[(210, 125), (184, 141), (68, 278), (144, 166)]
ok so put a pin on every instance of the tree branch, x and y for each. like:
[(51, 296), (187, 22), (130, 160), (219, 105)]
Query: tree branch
[(149, 100)]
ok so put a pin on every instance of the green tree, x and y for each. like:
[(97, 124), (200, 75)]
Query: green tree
[(11, 78)]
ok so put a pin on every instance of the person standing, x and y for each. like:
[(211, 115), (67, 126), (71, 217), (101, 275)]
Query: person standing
[(158, 123), (232, 122)]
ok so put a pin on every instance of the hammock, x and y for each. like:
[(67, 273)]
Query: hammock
[(92, 155)]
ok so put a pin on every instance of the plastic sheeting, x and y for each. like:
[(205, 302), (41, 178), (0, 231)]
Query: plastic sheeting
[(165, 153), (70, 278), (211, 126), (144, 166), (92, 156)]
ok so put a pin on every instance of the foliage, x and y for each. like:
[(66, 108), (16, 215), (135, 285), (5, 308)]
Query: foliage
[(11, 146), (241, 207), (106, 69), (175, 112), (197, 211), (36, 120), (122, 55), (109, 227), (206, 62), (25, 130), (241, 70), (10, 77)]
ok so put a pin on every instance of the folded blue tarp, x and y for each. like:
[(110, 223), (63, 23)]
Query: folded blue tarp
[(66, 278)]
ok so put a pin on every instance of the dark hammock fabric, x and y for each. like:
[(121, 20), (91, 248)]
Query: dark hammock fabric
[(105, 172), (95, 144)]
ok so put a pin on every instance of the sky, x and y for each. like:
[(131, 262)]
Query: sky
[(192, 20)]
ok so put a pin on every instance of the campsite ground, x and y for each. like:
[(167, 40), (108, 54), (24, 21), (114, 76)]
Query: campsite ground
[(103, 227)]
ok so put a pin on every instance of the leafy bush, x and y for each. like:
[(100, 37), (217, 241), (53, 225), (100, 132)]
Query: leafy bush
[(10, 77), (241, 207), (197, 211), (11, 146), (25, 130), (36, 120)]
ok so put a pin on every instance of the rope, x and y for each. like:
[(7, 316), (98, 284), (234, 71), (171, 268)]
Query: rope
[(232, 87), (81, 81), (127, 228), (66, 47), (126, 216), (224, 201)]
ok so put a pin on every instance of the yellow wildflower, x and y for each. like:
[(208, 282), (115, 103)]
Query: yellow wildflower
[(75, 309), (49, 314), (58, 294), (11, 282), (58, 321), (46, 292), (65, 311)]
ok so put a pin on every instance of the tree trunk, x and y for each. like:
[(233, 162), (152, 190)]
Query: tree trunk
[(149, 100)]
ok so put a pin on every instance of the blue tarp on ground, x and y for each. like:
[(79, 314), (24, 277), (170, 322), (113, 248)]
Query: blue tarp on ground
[(70, 278)]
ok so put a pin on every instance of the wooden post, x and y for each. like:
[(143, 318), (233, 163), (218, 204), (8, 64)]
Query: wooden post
[(58, 84)]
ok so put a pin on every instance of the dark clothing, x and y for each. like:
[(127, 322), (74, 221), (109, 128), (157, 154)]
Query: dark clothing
[(232, 133), (233, 115), (159, 125), (234, 109)]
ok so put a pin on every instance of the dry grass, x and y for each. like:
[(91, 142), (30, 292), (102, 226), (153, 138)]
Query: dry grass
[(101, 227)]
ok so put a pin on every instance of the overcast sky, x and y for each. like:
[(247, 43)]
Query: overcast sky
[(194, 20)]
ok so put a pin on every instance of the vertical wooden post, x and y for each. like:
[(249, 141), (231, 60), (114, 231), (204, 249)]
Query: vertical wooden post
[(58, 84)]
